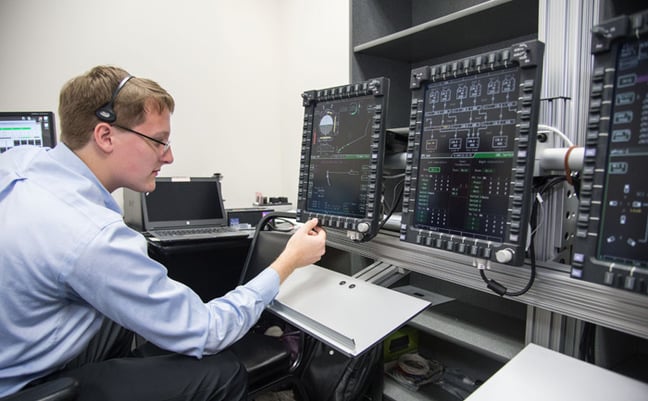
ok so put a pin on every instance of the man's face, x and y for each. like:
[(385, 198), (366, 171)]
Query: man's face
[(141, 158)]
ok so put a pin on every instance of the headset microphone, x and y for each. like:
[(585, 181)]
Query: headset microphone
[(106, 113)]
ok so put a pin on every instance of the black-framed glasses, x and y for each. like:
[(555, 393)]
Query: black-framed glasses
[(166, 144)]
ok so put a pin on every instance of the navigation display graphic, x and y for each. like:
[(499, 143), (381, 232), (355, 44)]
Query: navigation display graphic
[(342, 157), (340, 162)]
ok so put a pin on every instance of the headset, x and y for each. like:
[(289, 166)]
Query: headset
[(106, 113)]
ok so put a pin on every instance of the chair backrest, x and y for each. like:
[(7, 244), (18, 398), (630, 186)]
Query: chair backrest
[(268, 242)]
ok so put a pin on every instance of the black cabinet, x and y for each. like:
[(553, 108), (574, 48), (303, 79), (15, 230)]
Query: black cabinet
[(210, 268)]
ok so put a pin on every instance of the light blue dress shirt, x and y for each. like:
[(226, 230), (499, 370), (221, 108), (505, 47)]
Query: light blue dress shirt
[(67, 260)]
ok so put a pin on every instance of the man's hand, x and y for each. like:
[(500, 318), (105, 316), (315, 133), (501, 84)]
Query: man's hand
[(305, 247)]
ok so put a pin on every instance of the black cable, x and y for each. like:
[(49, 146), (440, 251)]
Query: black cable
[(587, 342), (395, 198), (274, 225), (549, 183), (498, 288), (394, 176), (392, 208)]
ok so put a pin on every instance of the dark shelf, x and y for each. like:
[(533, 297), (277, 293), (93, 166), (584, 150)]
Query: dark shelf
[(493, 21), (492, 334)]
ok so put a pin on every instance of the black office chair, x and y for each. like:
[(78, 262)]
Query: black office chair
[(268, 360), (61, 389)]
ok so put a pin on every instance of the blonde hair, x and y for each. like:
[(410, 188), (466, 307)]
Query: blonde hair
[(81, 96)]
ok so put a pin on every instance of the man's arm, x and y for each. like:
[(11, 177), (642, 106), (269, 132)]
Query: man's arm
[(305, 246)]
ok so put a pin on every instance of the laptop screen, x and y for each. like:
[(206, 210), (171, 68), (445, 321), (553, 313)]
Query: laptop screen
[(184, 203)]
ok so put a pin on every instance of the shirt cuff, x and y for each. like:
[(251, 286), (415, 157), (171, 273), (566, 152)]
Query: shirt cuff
[(266, 284)]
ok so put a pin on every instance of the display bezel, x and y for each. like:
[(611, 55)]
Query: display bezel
[(45, 118), (361, 223), (589, 261), (525, 60)]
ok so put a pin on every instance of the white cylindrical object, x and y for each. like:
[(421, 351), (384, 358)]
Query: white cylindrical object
[(554, 158)]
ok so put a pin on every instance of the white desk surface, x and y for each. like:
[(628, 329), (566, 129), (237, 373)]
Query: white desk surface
[(540, 374)]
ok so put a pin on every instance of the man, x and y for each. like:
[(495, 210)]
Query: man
[(76, 282)]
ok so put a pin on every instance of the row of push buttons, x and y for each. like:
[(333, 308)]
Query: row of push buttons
[(630, 283), (373, 195), (491, 61), (475, 250), (337, 222), (601, 96), (370, 87), (632, 279), (519, 181), (416, 116)]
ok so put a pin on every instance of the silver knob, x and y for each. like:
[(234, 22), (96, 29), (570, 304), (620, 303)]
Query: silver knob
[(363, 227), (504, 255)]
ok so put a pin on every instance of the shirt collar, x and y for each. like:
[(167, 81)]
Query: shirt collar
[(64, 155)]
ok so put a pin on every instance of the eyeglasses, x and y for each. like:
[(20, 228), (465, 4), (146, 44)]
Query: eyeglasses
[(166, 145)]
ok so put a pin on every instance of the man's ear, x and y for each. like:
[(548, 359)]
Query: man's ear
[(103, 137)]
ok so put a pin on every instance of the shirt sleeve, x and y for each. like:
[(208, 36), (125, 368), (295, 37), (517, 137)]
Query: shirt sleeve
[(117, 277)]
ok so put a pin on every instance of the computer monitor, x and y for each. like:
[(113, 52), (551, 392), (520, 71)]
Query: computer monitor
[(470, 154), (340, 178), (27, 128), (611, 242)]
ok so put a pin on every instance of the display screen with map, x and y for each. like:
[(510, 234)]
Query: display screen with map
[(342, 152)]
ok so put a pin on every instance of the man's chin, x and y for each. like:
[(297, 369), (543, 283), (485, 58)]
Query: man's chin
[(147, 187), (150, 187)]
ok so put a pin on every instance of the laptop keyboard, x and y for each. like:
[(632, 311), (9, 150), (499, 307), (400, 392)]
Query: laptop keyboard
[(194, 231)]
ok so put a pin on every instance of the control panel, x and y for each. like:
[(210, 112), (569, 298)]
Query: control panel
[(343, 142), (611, 244), (470, 153)]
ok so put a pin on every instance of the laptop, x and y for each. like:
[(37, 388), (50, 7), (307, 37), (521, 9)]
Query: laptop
[(186, 209)]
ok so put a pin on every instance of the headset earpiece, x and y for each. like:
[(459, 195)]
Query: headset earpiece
[(106, 113)]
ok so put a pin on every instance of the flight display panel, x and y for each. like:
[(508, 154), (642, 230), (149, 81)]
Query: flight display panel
[(611, 245), (471, 149), (342, 155), (27, 128)]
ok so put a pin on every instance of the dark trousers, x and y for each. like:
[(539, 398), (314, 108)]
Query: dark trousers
[(109, 371)]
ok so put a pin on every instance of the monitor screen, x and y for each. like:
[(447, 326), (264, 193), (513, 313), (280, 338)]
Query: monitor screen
[(188, 202), (342, 157), (623, 234), (611, 245), (472, 147), (27, 128)]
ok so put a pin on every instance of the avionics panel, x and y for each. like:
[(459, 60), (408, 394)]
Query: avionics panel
[(470, 153), (27, 128), (340, 178), (611, 244)]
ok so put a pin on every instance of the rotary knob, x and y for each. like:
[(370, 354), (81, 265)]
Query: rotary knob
[(363, 227), (504, 255)]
